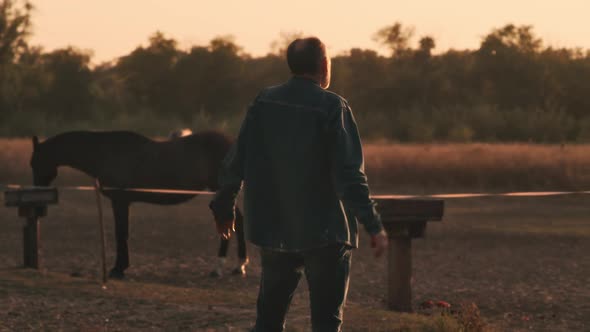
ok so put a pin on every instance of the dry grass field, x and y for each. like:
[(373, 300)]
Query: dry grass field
[(522, 261), (478, 167), (418, 168)]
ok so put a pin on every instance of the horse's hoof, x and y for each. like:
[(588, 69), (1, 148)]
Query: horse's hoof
[(215, 274), (239, 271), (116, 274)]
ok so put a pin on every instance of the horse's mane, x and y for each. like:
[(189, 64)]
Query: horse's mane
[(213, 137)]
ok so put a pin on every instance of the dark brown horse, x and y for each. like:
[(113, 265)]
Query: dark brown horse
[(122, 159)]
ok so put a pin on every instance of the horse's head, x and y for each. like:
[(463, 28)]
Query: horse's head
[(44, 170)]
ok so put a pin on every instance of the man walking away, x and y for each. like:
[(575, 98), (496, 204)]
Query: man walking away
[(300, 158)]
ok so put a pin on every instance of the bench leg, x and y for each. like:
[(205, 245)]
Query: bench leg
[(400, 274), (31, 242)]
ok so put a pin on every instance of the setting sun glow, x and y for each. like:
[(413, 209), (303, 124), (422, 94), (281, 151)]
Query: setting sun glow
[(112, 28)]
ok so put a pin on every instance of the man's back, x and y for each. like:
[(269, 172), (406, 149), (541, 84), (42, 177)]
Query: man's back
[(291, 201)]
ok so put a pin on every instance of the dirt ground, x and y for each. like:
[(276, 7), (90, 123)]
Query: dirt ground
[(523, 261)]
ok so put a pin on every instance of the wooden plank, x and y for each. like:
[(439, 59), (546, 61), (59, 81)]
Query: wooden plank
[(410, 210), (31, 197)]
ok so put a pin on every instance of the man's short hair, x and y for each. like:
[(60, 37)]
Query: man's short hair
[(305, 55)]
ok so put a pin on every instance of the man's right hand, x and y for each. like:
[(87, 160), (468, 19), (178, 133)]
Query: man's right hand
[(224, 229), (225, 219), (380, 242)]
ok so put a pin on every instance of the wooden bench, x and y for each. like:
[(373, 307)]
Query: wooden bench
[(32, 204), (404, 220)]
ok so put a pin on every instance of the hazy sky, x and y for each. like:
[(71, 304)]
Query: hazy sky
[(112, 28)]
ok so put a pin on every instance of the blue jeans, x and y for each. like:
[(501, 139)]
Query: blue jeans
[(327, 272)]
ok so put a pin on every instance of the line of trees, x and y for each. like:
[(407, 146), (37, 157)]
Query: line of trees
[(512, 88)]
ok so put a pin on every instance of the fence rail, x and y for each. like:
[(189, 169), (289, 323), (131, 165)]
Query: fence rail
[(392, 196)]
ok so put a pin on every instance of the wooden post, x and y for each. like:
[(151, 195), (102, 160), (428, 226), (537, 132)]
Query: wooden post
[(400, 274), (404, 219), (32, 241), (32, 235)]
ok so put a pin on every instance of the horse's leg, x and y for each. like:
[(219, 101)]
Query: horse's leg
[(221, 257), (121, 212), (242, 256)]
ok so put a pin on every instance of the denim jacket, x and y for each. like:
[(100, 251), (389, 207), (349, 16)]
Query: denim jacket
[(300, 160)]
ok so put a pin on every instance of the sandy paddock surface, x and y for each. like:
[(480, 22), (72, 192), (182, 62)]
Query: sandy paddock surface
[(523, 261)]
